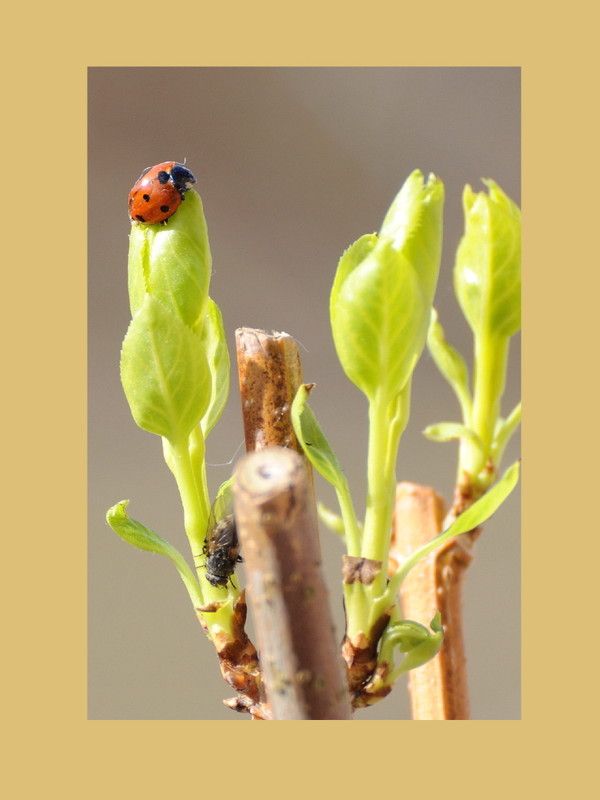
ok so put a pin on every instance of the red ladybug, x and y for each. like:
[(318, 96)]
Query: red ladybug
[(158, 192)]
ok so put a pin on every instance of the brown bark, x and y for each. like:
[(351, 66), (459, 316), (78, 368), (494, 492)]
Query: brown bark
[(270, 374), (239, 664), (276, 519), (438, 689)]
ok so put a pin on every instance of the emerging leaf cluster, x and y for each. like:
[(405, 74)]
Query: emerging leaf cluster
[(487, 281), (381, 315)]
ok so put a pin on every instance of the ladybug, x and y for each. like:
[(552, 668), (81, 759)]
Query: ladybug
[(158, 192)]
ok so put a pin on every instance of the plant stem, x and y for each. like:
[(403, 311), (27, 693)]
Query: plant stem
[(380, 483), (196, 510), (491, 355), (386, 425), (276, 520)]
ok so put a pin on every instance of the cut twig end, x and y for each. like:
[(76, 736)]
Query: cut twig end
[(269, 373)]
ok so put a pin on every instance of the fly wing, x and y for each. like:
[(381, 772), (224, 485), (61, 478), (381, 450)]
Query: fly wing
[(223, 501), (221, 508)]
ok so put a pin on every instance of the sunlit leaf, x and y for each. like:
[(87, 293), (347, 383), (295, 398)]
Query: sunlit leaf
[(164, 372), (172, 262), (381, 295), (450, 431), (474, 516), (313, 441), (138, 535), (487, 274)]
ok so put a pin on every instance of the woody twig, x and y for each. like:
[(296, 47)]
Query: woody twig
[(270, 373), (275, 514), (438, 689)]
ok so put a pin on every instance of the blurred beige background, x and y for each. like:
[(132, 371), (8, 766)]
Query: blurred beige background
[(292, 165)]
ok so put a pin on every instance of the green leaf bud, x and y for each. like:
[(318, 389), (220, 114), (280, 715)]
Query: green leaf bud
[(164, 372), (487, 273), (382, 293), (172, 262)]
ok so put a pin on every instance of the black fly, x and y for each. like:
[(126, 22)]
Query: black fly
[(222, 551)]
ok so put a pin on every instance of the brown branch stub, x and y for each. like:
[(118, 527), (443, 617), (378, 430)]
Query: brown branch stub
[(360, 655), (356, 569), (276, 520), (238, 661), (438, 689), (270, 374)]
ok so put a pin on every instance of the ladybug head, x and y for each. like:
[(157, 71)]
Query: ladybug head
[(182, 178)]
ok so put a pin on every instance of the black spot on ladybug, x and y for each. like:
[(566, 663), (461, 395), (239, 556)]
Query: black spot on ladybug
[(164, 209), (146, 197), (140, 218), (163, 177)]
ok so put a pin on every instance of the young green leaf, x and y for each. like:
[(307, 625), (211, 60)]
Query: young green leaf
[(381, 295), (164, 372), (223, 500), (143, 538), (418, 643), (449, 431), (450, 363), (215, 347), (329, 518), (504, 432), (487, 273), (475, 515), (321, 456), (421, 653), (172, 262), (313, 441)]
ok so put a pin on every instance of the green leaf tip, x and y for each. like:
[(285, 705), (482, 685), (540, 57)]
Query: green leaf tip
[(138, 535), (312, 439), (436, 623), (134, 532)]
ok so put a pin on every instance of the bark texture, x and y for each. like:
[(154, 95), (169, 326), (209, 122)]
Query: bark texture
[(301, 666), (270, 374), (239, 664)]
